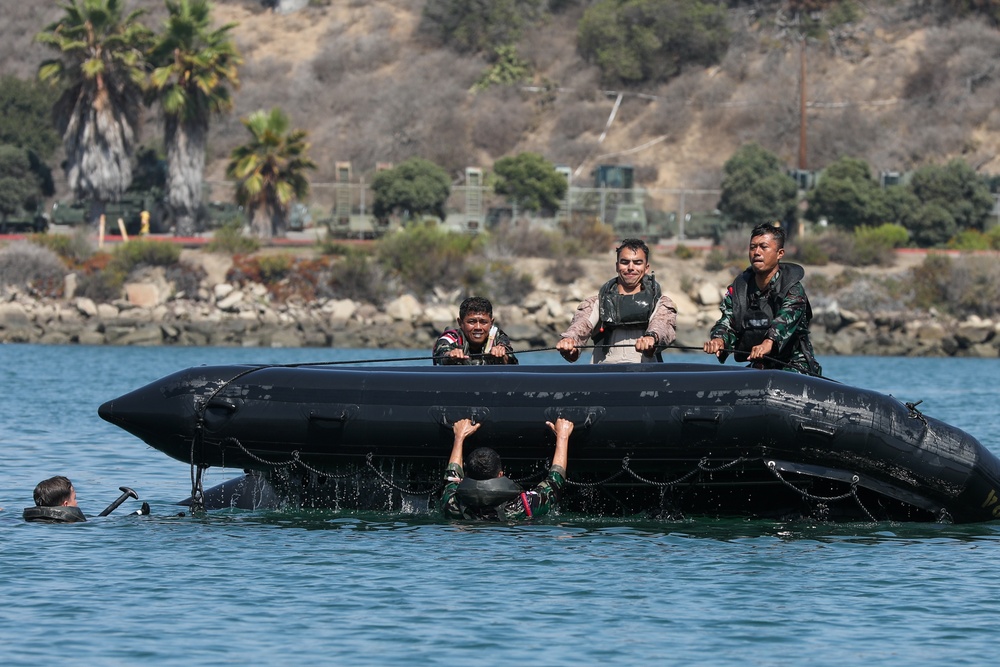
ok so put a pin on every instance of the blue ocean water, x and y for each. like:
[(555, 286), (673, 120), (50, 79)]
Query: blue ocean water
[(278, 588)]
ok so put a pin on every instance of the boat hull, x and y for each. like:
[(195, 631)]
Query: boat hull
[(671, 439)]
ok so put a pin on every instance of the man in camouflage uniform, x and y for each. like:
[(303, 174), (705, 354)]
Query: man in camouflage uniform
[(477, 340), (486, 494), (766, 313)]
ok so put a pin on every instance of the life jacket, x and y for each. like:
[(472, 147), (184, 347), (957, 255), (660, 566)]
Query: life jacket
[(458, 339), (482, 498), (58, 514), (753, 321), (624, 310)]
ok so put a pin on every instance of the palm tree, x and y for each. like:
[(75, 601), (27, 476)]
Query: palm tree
[(99, 72), (270, 171), (194, 70)]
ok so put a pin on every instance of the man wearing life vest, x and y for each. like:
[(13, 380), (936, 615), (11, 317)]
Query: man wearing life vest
[(476, 488), (477, 340), (765, 313), (630, 320), (55, 502)]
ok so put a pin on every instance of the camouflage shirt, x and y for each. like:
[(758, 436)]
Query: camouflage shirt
[(529, 505), (452, 339), (789, 328)]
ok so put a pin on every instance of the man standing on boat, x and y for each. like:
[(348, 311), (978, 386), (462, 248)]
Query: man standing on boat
[(630, 320), (766, 313), (477, 488), (477, 340)]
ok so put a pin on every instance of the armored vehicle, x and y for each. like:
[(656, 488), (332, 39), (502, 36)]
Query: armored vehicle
[(23, 221), (129, 210)]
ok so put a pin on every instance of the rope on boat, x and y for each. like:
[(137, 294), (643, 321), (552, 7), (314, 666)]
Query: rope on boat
[(853, 493), (392, 485), (701, 467), (915, 413)]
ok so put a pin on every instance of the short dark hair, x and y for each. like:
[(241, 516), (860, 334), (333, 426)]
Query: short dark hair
[(634, 245), (772, 229), (483, 463), (53, 492), (475, 304)]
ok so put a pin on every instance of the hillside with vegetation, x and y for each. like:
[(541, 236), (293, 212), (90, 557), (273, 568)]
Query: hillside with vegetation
[(897, 84)]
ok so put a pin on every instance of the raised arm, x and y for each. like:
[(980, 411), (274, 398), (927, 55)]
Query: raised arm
[(463, 428), (562, 428)]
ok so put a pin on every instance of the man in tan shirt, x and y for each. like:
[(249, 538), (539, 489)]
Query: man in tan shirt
[(629, 320)]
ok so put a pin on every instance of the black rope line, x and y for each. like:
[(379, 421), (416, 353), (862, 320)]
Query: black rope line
[(701, 466), (392, 485), (853, 493)]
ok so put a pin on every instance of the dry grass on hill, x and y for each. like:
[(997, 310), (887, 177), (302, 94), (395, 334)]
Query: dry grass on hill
[(894, 89)]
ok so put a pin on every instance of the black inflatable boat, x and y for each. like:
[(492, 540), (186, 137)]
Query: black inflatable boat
[(665, 439)]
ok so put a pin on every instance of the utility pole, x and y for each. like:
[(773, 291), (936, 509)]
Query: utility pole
[(802, 119), (802, 104)]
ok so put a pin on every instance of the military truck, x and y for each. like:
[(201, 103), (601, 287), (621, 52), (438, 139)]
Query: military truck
[(23, 222), (129, 209)]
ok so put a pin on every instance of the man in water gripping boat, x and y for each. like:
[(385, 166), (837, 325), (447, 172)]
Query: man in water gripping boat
[(55, 502), (477, 340), (629, 320), (486, 494), (766, 313)]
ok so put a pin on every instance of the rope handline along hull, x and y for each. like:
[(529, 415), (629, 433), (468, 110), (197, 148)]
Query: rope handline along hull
[(672, 439)]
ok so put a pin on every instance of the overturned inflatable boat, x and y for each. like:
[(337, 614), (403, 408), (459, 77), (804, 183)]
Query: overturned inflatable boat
[(666, 439)]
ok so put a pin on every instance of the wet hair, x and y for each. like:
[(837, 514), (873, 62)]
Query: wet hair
[(53, 491), (483, 463), (771, 229), (632, 244), (475, 304)]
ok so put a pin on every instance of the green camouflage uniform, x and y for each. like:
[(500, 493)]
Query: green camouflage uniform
[(789, 324), (530, 504), (453, 339)]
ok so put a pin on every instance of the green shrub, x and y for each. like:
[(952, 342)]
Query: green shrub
[(889, 235), (635, 41), (141, 252), (424, 257), (684, 252), (993, 235), (75, 248), (813, 252), (335, 248), (102, 286), (358, 277), (478, 26), (970, 239), (272, 268), (229, 238), (873, 246)]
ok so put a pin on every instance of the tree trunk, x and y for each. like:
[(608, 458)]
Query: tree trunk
[(185, 166), (98, 147), (260, 223), (279, 221)]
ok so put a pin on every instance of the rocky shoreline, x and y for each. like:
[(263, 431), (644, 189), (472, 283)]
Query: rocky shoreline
[(225, 314)]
